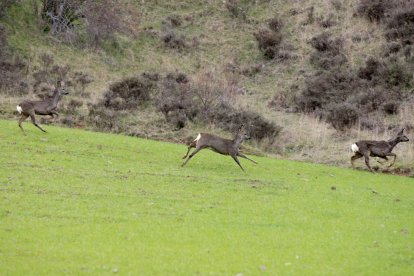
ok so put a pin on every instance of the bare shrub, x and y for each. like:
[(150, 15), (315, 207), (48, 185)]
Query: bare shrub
[(327, 22), (49, 73), (210, 90), (61, 15), (100, 20), (103, 19), (128, 93), (310, 18), (81, 81)]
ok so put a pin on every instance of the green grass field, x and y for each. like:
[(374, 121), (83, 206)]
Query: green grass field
[(77, 202)]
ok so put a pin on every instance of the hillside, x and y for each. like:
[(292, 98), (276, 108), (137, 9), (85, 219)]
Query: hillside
[(308, 77), (79, 202)]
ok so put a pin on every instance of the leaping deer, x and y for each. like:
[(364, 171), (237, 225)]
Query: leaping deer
[(380, 149), (47, 106), (219, 145)]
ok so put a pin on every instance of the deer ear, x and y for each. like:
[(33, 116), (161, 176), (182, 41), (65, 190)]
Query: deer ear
[(60, 83), (401, 132)]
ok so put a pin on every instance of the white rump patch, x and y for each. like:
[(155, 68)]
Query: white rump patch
[(198, 137), (354, 148), (19, 109)]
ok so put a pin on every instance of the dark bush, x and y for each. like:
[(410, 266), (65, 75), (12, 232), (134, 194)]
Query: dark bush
[(391, 107), (228, 118), (11, 68), (267, 38), (81, 80), (174, 41), (175, 100), (389, 73), (327, 22), (392, 48), (270, 41), (371, 69), (173, 21), (342, 115), (151, 76), (401, 25), (275, 24), (74, 104), (328, 52), (238, 8), (369, 99), (373, 10), (324, 43), (104, 119), (128, 93), (326, 87), (395, 74)]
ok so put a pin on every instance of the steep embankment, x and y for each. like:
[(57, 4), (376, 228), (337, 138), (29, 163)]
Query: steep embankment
[(81, 202)]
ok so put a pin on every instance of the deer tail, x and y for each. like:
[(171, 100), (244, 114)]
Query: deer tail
[(354, 148), (198, 137), (19, 109)]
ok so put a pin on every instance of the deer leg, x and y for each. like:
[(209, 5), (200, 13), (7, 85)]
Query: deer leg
[(22, 118), (367, 162), (237, 161), (393, 161), (355, 157), (32, 117), (245, 157), (192, 145), (191, 156), (54, 113), (382, 162)]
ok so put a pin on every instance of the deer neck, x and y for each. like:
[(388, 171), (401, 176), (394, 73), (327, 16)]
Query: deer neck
[(55, 98), (237, 142), (393, 143)]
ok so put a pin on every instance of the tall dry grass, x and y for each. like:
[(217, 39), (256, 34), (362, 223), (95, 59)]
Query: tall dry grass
[(306, 138)]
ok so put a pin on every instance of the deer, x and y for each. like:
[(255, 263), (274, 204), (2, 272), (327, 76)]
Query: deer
[(219, 145), (381, 149), (47, 106)]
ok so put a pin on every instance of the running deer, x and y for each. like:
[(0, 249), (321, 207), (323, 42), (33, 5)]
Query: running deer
[(46, 106), (219, 145), (380, 149)]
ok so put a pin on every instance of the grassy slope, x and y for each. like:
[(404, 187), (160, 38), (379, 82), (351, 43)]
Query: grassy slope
[(81, 202), (223, 40)]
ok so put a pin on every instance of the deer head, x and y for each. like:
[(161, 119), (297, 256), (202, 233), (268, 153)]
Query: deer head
[(401, 136), (61, 88)]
